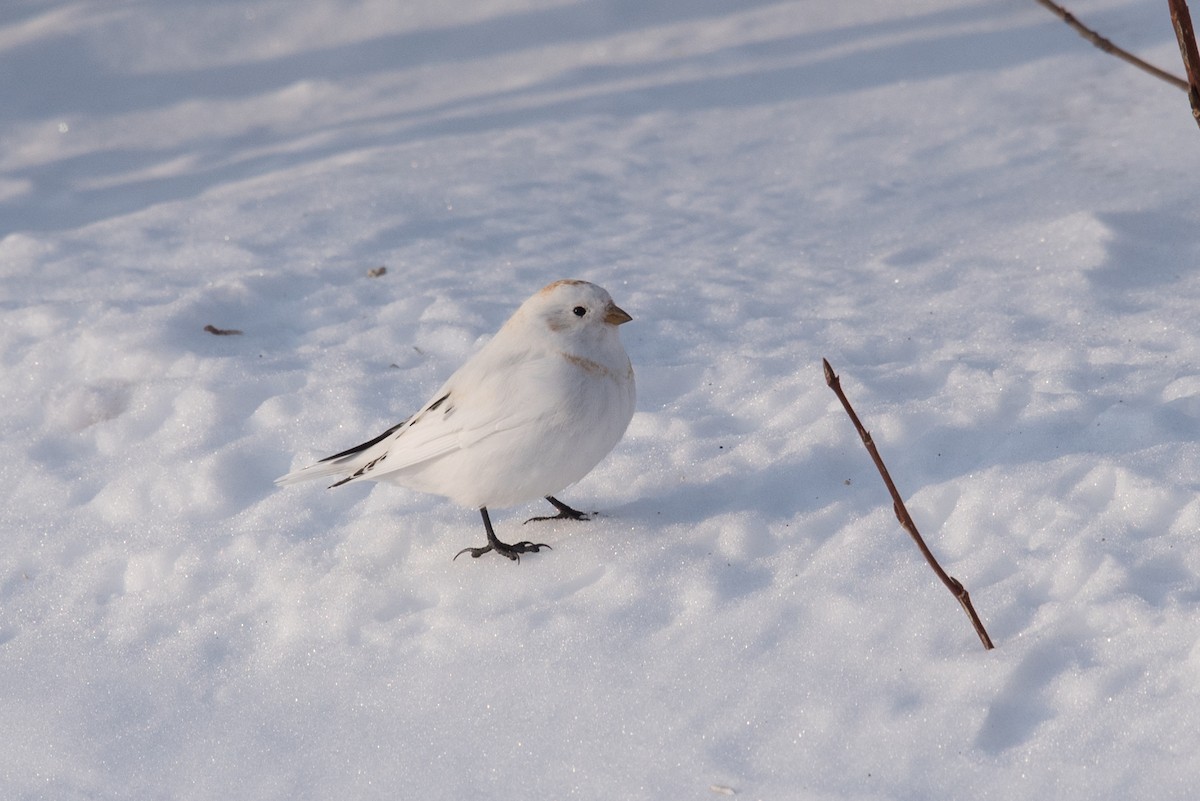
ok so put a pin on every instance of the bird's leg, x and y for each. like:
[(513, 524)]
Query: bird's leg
[(564, 512), (513, 551)]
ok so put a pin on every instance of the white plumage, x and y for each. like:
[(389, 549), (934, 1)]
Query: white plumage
[(528, 415)]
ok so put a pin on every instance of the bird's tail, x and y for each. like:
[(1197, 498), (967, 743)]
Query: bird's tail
[(318, 470), (349, 464)]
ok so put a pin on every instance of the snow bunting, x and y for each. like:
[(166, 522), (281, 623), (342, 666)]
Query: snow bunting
[(531, 413)]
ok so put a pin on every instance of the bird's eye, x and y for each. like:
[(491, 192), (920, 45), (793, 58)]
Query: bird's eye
[(579, 311)]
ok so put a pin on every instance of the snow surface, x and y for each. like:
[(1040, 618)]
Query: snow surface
[(989, 227)]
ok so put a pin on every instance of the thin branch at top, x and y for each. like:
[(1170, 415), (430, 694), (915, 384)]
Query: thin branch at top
[(1110, 48), (1181, 19)]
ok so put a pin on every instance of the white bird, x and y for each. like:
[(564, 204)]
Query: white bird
[(532, 412)]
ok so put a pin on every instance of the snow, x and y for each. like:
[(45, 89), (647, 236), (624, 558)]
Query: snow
[(988, 227)]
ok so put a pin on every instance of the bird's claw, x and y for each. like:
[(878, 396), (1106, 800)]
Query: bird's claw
[(475, 552), (564, 512), (563, 515), (529, 547), (512, 552)]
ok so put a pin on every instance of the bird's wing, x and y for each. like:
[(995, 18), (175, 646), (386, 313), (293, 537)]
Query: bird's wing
[(471, 406)]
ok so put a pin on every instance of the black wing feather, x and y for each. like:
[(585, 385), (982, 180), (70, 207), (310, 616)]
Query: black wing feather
[(365, 445), (388, 433)]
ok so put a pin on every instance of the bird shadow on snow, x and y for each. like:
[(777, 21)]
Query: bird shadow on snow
[(1150, 251), (743, 501), (64, 200)]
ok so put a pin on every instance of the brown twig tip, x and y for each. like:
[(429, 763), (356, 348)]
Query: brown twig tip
[(222, 332), (906, 522)]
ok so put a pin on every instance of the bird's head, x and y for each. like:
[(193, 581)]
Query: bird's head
[(575, 311)]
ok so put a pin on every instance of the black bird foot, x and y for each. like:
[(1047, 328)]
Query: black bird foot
[(512, 552), (564, 512)]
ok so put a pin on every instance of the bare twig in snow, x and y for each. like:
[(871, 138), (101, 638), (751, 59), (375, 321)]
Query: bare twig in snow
[(906, 521), (1181, 18), (1110, 48)]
